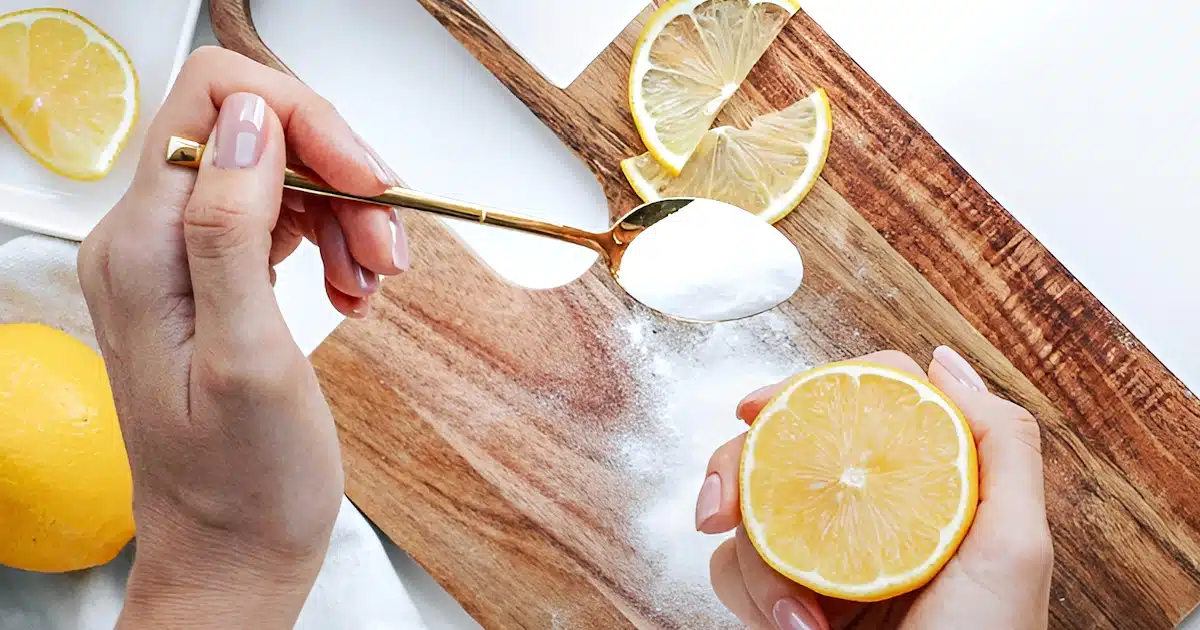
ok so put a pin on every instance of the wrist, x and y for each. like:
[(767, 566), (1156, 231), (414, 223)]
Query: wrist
[(213, 585)]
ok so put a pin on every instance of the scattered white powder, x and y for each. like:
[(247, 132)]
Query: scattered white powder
[(711, 262), (690, 380)]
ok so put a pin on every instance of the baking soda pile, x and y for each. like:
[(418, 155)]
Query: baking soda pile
[(691, 379), (711, 262)]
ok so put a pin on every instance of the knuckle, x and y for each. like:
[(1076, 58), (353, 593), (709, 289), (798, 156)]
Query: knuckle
[(243, 375), (321, 108), (225, 376), (104, 260), (210, 229), (202, 59), (219, 374), (92, 265), (1019, 423), (1029, 434), (315, 114)]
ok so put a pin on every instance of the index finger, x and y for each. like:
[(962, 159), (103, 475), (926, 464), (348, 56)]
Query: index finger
[(753, 404), (314, 131)]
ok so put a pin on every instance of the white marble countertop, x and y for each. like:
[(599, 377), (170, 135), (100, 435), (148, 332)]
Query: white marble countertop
[(1075, 115)]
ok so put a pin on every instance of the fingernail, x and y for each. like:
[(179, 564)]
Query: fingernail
[(709, 502), (379, 168), (400, 253), (792, 615), (959, 368), (367, 281), (761, 392), (239, 132), (335, 252)]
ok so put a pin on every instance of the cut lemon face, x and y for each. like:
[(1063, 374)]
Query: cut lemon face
[(859, 481), (68, 92), (689, 61), (767, 169)]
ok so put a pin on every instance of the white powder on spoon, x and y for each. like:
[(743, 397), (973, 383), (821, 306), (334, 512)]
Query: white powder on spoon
[(711, 262)]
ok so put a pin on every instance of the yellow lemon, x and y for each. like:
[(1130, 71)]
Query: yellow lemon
[(68, 92), (859, 481), (766, 169), (689, 61), (66, 493)]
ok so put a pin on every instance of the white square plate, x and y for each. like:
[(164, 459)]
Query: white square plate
[(158, 36)]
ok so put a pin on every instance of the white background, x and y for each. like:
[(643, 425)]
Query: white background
[(1077, 115)]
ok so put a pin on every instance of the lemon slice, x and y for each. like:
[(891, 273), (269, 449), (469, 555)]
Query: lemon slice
[(68, 92), (690, 59), (767, 169), (859, 481)]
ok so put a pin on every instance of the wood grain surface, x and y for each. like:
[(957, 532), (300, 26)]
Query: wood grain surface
[(509, 439)]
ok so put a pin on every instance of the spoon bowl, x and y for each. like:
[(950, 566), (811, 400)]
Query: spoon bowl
[(695, 259)]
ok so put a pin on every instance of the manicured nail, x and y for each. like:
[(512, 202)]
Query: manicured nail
[(762, 393), (361, 309), (335, 253), (401, 256), (792, 615), (709, 502), (239, 132), (379, 168), (367, 281), (959, 368)]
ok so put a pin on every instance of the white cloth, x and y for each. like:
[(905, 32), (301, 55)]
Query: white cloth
[(358, 587)]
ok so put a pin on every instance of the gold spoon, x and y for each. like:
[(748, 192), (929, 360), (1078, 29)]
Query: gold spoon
[(611, 244)]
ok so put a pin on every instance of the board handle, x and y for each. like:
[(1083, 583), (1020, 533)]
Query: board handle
[(233, 26)]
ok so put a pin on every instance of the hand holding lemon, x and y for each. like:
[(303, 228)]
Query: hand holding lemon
[(809, 516)]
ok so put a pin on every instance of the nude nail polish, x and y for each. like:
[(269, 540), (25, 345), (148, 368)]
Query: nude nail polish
[(790, 614), (709, 502), (401, 256), (367, 281), (379, 168), (959, 368), (239, 135)]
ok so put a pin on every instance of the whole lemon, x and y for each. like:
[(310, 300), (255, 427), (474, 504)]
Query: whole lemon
[(66, 493)]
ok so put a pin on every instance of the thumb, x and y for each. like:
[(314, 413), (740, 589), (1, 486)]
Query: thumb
[(1007, 436), (229, 217)]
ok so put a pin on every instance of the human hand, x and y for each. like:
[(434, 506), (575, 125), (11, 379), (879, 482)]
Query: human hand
[(999, 578), (236, 467)]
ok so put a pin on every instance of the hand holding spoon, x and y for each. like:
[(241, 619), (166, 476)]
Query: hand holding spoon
[(693, 259)]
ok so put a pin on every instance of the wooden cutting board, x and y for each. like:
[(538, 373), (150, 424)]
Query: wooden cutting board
[(538, 452)]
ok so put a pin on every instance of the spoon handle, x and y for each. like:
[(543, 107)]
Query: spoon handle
[(188, 153)]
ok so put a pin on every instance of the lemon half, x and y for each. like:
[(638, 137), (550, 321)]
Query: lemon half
[(859, 481)]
